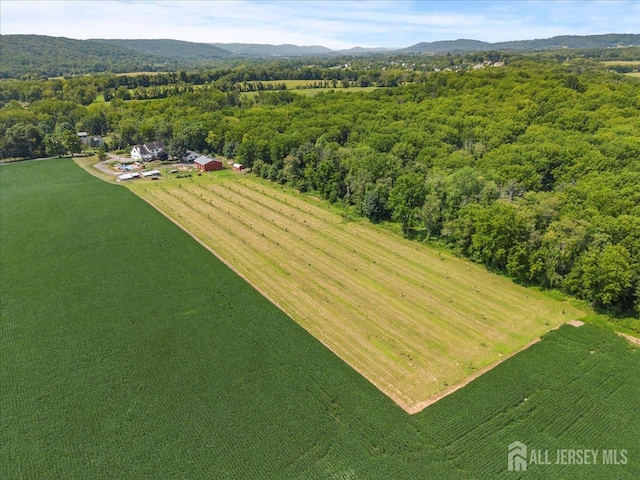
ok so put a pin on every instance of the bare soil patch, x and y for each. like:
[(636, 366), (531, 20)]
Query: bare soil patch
[(634, 340)]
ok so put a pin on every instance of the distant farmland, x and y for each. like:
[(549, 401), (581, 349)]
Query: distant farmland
[(129, 351), (306, 88), (307, 84), (413, 321), (631, 63)]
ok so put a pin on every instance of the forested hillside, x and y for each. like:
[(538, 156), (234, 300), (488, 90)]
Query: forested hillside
[(43, 56), (265, 50), (532, 169), (175, 49), (612, 40), (39, 55), (563, 41)]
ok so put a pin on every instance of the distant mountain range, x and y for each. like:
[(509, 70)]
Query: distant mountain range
[(288, 50), (564, 41), (54, 56), (445, 46)]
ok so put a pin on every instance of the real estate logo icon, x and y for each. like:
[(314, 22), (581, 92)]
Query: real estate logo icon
[(517, 457)]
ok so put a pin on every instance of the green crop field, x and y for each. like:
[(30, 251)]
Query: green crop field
[(288, 83), (413, 321), (310, 92), (633, 63), (295, 84), (127, 350)]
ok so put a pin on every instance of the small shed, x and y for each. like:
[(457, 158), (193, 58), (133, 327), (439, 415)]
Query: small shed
[(207, 164), (237, 167), (128, 176)]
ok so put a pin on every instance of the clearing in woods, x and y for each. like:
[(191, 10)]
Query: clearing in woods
[(415, 322)]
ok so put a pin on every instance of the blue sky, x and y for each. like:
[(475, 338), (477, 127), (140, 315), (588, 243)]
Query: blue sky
[(334, 24)]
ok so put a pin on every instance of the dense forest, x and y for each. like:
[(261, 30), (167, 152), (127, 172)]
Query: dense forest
[(531, 168)]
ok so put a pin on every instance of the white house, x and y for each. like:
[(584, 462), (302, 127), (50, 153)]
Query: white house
[(146, 151), (190, 156)]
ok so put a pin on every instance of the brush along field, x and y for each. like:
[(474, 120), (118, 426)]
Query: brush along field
[(415, 322)]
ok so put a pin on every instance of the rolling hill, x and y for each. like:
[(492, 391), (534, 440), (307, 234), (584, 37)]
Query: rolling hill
[(55, 56), (288, 50), (565, 41), (266, 50), (175, 49)]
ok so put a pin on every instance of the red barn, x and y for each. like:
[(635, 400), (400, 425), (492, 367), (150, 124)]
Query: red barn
[(207, 164)]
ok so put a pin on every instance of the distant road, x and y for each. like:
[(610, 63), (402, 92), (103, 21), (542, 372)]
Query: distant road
[(102, 166)]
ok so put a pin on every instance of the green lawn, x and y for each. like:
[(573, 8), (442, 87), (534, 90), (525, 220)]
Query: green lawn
[(127, 350)]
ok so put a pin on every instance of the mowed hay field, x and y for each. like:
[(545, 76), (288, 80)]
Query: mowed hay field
[(127, 350), (413, 321)]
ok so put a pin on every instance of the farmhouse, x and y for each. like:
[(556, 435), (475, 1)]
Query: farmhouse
[(207, 164), (146, 151)]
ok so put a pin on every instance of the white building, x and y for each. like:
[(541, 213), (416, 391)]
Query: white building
[(146, 151), (190, 156)]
